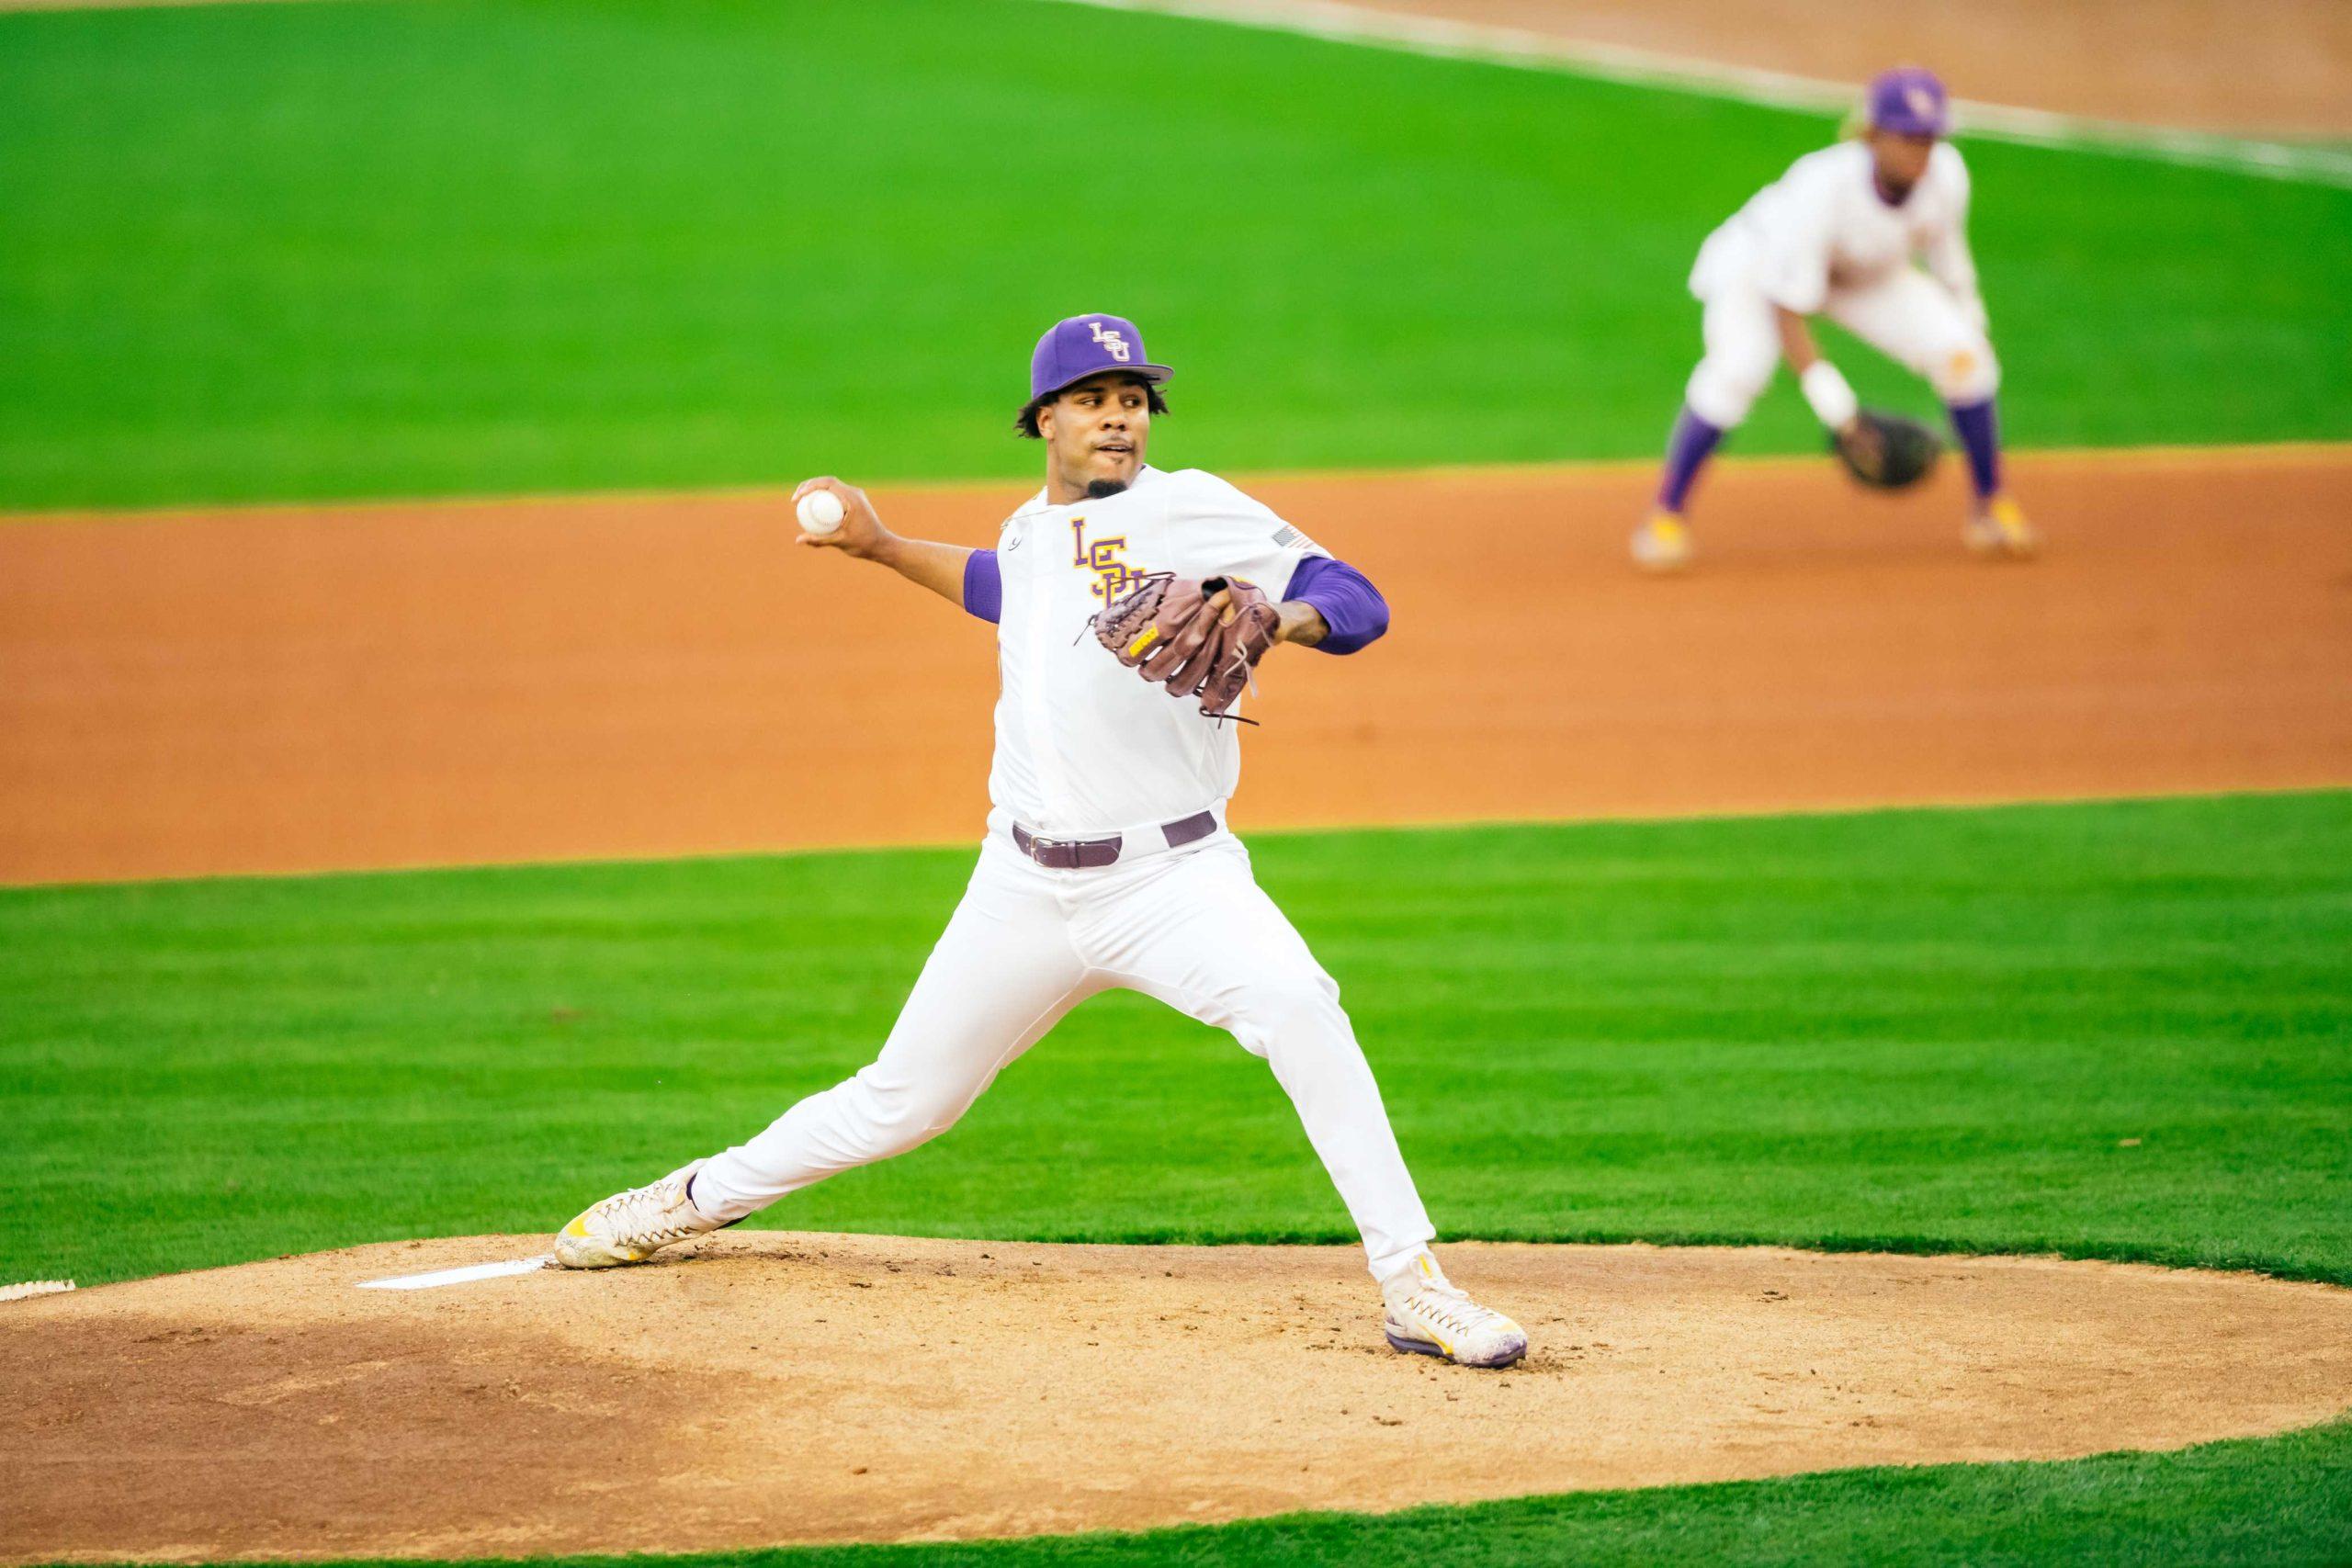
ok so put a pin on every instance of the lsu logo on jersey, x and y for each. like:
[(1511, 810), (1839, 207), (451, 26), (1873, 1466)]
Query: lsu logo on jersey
[(1113, 343), (1106, 559)]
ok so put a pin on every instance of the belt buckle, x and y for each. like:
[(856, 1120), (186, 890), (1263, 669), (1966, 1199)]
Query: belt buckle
[(1040, 848), (1068, 854)]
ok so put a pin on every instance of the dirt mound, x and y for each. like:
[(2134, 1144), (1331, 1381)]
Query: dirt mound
[(786, 1388)]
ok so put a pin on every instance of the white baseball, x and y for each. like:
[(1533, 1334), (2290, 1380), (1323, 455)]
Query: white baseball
[(820, 512)]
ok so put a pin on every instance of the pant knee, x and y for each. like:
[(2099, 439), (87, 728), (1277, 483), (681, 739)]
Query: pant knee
[(1305, 1014), (1722, 391), (889, 1116), (1965, 373)]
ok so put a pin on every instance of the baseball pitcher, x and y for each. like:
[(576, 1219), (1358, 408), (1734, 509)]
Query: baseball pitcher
[(1837, 235), (1131, 605)]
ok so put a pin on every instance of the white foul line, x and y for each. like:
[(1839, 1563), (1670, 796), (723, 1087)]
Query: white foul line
[(1339, 22), (456, 1275)]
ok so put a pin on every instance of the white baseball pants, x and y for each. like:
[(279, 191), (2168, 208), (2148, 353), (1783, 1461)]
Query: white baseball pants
[(1908, 316), (1190, 926)]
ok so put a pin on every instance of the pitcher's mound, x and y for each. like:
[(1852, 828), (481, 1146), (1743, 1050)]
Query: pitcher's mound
[(777, 1388)]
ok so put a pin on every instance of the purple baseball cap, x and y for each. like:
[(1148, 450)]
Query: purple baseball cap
[(1908, 101), (1081, 346)]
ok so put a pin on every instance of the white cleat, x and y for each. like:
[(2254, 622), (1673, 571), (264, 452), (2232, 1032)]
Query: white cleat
[(1662, 543), (1427, 1316), (631, 1226), (2000, 532)]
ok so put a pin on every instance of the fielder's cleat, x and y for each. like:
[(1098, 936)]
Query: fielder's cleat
[(1999, 530), (631, 1226), (1427, 1316), (1662, 543)]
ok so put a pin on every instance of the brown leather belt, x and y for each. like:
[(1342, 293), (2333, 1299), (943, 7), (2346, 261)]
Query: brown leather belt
[(1078, 854)]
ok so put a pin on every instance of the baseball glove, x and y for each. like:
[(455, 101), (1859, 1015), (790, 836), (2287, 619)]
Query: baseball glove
[(1885, 450), (1167, 630)]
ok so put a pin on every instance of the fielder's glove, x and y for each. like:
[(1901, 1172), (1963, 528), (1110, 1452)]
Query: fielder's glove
[(1167, 630), (1886, 450)]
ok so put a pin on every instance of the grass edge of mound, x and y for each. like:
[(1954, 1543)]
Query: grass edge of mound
[(2285, 1498)]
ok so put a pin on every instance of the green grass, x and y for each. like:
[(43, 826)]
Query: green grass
[(2220, 1504), (377, 248), (1916, 1029), (1923, 1029)]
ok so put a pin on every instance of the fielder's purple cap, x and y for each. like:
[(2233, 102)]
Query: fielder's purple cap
[(1908, 101), (1081, 346)]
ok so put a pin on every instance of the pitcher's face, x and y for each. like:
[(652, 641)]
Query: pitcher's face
[(1096, 431)]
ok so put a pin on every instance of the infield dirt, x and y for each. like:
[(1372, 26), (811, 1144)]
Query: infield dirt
[(2164, 63), (786, 1388), (344, 687)]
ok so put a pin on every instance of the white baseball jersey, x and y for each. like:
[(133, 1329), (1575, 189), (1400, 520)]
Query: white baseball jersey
[(1822, 227), (1084, 749)]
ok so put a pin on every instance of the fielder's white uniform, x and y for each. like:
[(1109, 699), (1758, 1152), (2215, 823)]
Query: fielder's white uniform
[(1820, 240), (1085, 749)]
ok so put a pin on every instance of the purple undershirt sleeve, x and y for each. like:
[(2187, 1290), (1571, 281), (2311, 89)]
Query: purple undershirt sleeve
[(983, 585), (1351, 606)]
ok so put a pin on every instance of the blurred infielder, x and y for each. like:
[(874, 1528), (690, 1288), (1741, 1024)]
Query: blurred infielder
[(1107, 862), (1837, 236)]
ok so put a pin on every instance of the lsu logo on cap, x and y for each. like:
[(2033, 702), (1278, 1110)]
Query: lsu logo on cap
[(1113, 341), (1922, 102)]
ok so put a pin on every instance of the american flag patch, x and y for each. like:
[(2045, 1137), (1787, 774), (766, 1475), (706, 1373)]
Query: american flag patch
[(1291, 538)]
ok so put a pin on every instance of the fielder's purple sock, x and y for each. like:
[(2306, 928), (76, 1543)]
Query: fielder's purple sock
[(1980, 437), (1694, 439)]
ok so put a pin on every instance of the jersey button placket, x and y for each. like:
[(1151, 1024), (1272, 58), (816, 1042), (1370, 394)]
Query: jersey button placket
[(1038, 695)]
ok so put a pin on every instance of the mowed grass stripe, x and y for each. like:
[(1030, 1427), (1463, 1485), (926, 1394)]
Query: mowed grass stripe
[(2114, 1031), (397, 248)]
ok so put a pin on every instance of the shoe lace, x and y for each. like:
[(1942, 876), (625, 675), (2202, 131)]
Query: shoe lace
[(645, 1215), (1448, 1306)]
